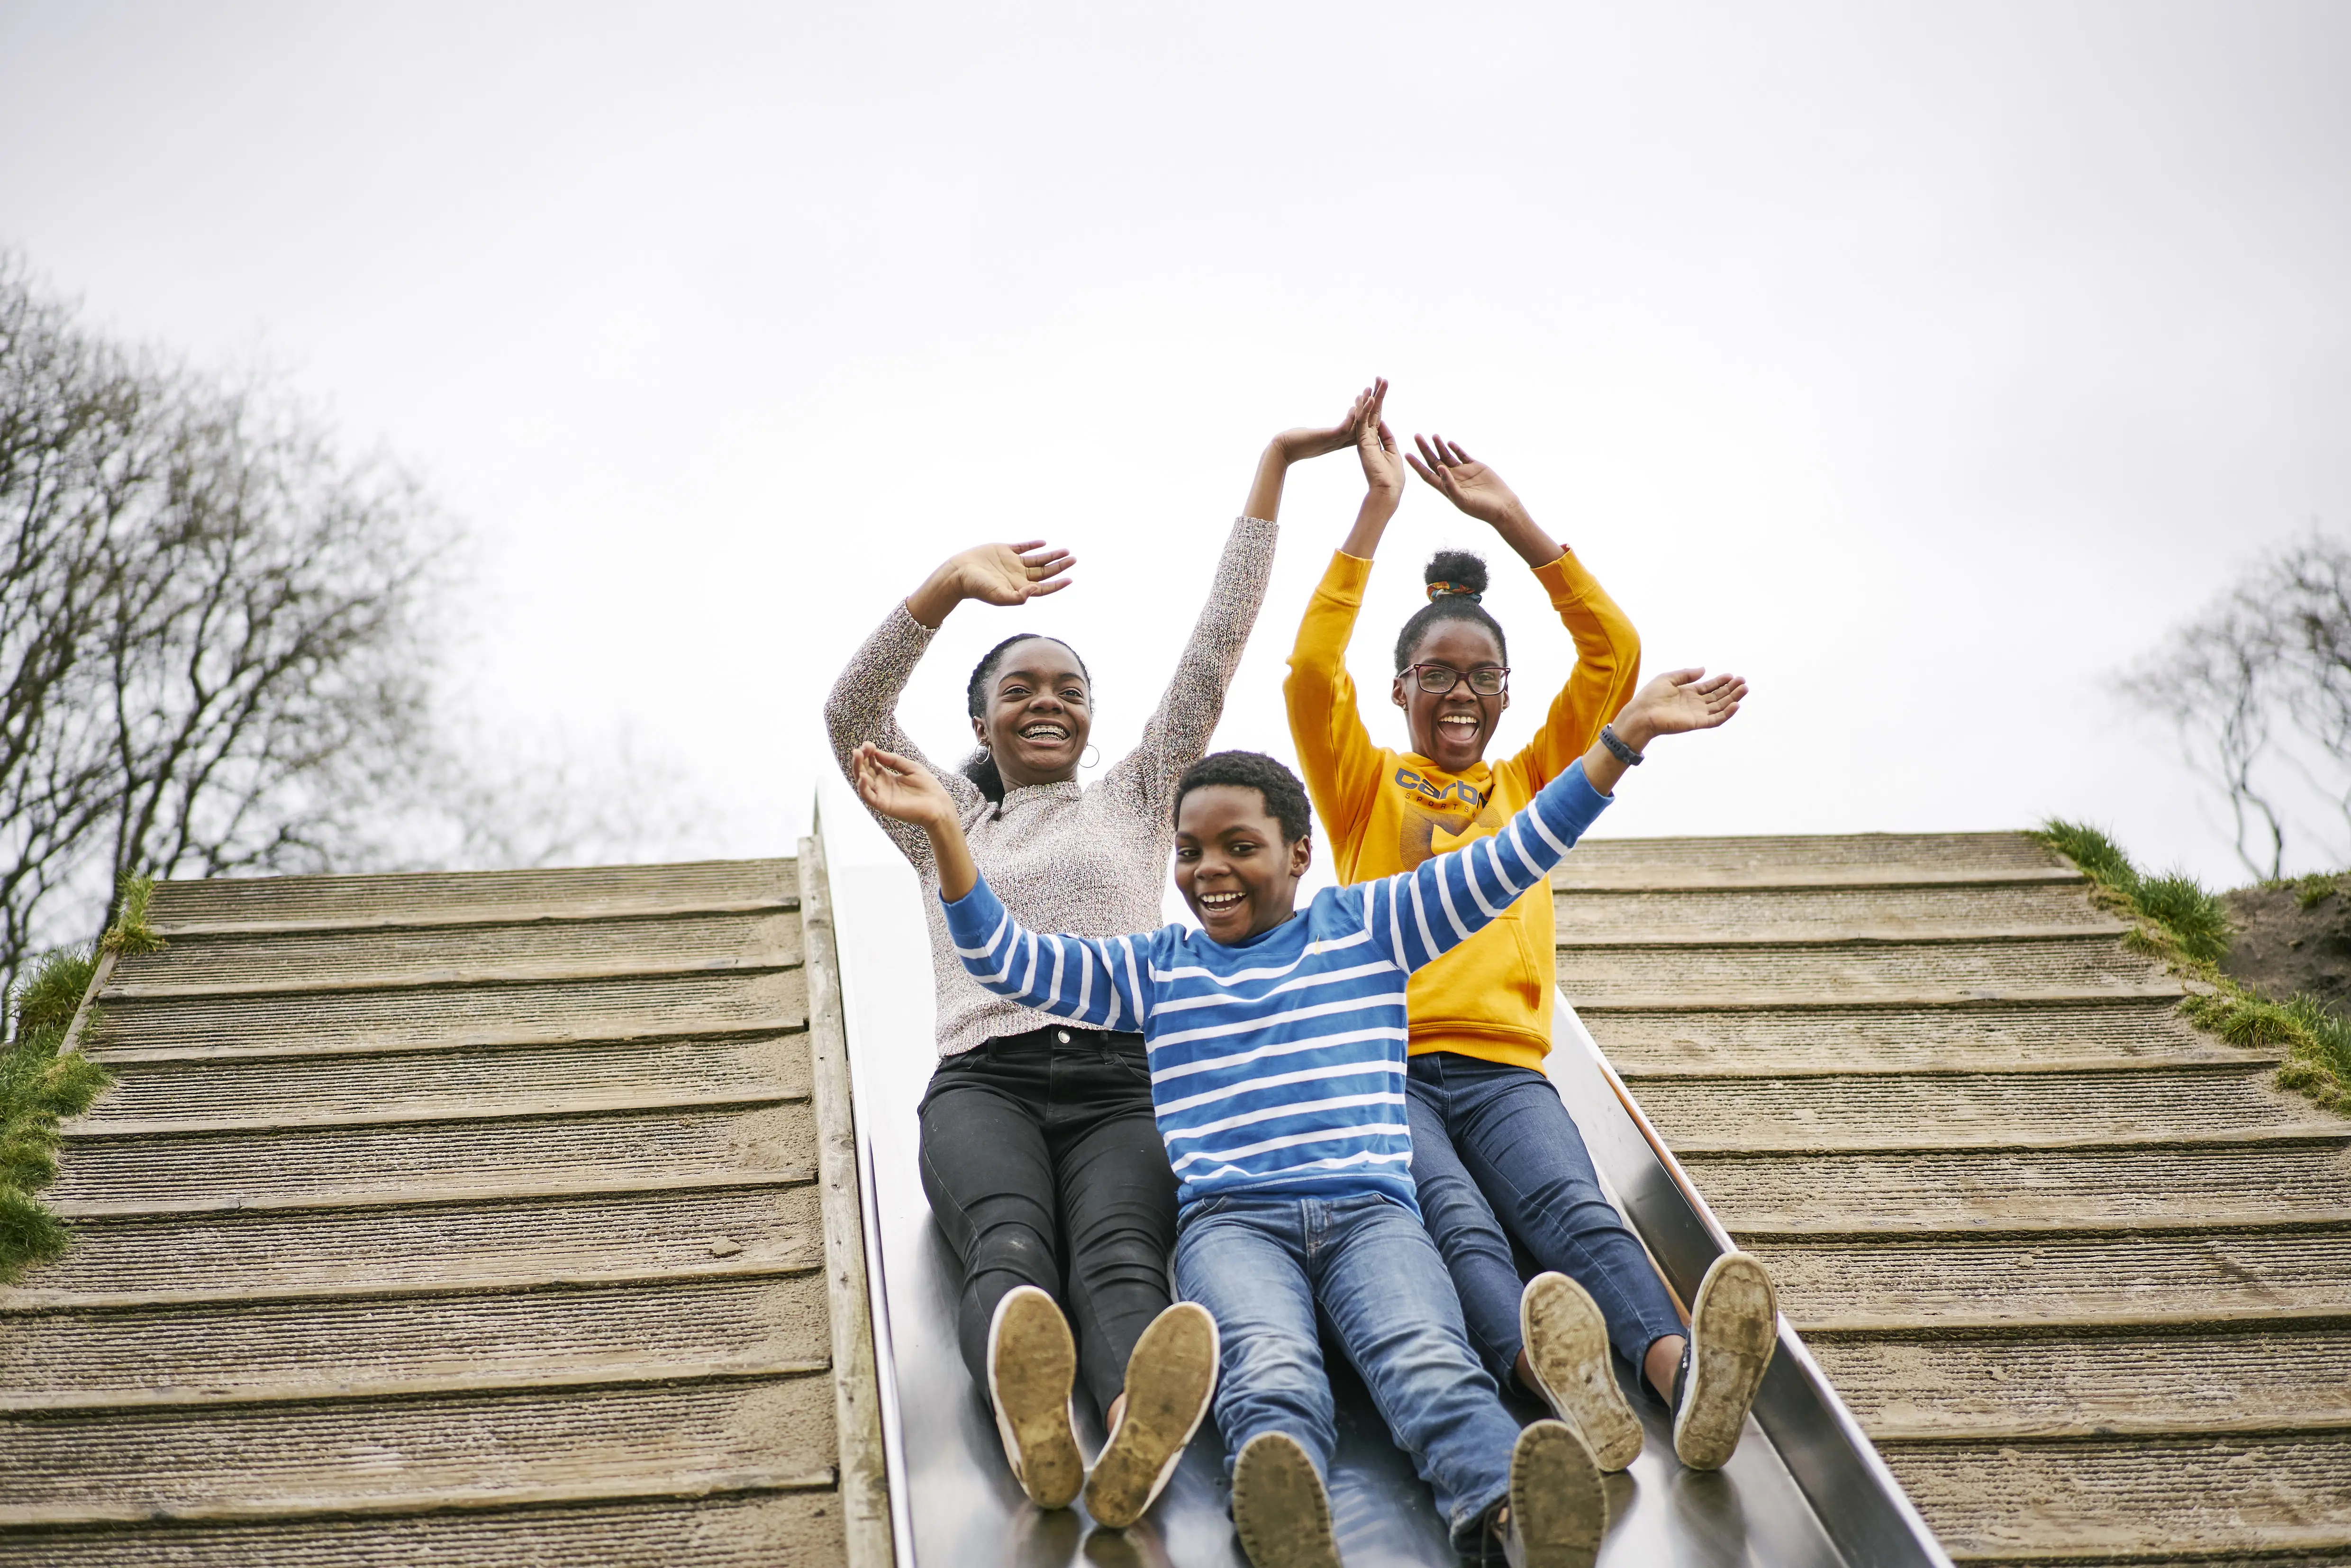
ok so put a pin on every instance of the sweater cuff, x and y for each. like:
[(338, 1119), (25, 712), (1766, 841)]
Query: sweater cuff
[(901, 622), (1566, 580), (1344, 579)]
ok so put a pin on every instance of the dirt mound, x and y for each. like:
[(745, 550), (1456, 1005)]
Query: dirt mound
[(2284, 945)]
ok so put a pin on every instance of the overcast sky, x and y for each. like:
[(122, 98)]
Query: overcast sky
[(1923, 363)]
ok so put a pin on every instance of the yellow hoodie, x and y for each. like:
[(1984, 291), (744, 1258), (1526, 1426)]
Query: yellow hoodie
[(1387, 811)]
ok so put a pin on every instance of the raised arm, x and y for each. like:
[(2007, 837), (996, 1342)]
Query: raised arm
[(1178, 732), (1607, 650), (1095, 982), (863, 706), (1417, 916), (1334, 750)]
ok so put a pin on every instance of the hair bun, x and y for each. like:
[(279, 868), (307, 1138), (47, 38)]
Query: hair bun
[(1455, 573)]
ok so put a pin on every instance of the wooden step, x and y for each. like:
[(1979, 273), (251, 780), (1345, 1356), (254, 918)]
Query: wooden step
[(714, 1526), (405, 1451), (1857, 860), (426, 1080), (2047, 1385), (458, 956), (512, 1146), (482, 1242), (1966, 1038), (288, 903), (1997, 1279), (2131, 1103), (226, 1347), (546, 1013), (1588, 916), (2053, 968), (2127, 1498), (2226, 1185)]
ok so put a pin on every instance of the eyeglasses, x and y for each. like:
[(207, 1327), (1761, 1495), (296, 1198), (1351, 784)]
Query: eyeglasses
[(1486, 680)]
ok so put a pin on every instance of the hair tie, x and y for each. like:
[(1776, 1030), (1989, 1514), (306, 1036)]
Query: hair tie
[(1438, 590)]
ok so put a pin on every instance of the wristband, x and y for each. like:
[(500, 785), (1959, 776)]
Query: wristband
[(1616, 746)]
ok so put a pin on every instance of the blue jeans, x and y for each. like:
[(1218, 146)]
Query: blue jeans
[(1262, 1265), (1496, 1156)]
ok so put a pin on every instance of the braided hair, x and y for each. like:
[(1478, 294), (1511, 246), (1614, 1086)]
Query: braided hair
[(1457, 582), (980, 765)]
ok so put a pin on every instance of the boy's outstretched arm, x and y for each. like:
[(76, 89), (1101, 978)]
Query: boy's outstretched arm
[(1097, 983), (1419, 915)]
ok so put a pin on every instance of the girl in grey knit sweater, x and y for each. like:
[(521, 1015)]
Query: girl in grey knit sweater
[(1039, 1155)]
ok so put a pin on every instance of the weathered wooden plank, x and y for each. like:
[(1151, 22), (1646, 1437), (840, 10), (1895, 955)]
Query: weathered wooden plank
[(865, 1468)]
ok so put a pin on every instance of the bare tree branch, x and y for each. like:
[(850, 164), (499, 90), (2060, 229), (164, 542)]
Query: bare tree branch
[(2258, 689)]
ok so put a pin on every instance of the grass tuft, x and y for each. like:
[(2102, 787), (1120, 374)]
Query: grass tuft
[(2192, 917), (41, 1083), (2315, 888), (131, 933), (2173, 919), (2101, 859)]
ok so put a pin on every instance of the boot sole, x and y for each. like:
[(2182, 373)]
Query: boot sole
[(1734, 1327), (1559, 1507), (1033, 1363), (1567, 1349), (1278, 1506), (1169, 1379)]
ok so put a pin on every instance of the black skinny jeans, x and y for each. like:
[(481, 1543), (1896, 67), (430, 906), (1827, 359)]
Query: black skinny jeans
[(1044, 1168)]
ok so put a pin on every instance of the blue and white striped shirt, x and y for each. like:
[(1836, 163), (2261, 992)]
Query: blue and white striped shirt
[(1278, 1067)]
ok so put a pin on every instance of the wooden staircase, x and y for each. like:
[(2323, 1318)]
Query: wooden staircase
[(2081, 1271), (465, 1218)]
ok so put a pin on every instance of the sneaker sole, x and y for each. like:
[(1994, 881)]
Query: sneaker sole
[(1734, 1327), (1279, 1507), (1559, 1507), (1033, 1363), (1169, 1379), (1567, 1349)]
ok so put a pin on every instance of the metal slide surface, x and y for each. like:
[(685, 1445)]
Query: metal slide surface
[(956, 1503)]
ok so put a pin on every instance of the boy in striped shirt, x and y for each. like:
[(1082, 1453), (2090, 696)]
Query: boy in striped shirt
[(1277, 1042)]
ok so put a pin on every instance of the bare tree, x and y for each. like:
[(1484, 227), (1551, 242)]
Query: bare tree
[(212, 629), (2258, 690), (219, 640)]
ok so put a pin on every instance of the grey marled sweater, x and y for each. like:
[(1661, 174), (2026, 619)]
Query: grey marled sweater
[(1088, 859)]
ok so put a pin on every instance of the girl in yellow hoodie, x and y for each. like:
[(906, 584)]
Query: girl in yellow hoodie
[(1495, 1153)]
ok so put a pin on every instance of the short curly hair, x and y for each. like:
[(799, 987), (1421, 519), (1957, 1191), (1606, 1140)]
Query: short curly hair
[(1285, 797)]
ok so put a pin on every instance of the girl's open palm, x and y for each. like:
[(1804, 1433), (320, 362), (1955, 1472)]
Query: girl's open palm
[(900, 788), (1466, 482), (1012, 574), (1680, 701)]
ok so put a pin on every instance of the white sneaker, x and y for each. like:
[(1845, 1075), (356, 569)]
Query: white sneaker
[(1169, 1380), (1032, 1362), (1279, 1508), (1558, 1508), (1734, 1327), (1567, 1350)]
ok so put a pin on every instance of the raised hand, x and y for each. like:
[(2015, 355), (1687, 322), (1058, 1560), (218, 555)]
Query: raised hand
[(1375, 443), (900, 788), (1013, 574), (1677, 702), (1310, 441), (993, 574), (1468, 484), (1316, 440)]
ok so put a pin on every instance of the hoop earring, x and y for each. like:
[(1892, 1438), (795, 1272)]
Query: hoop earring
[(1097, 752)]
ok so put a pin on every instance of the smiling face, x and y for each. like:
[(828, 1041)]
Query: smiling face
[(1452, 730), (1231, 864), (1038, 714)]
